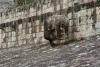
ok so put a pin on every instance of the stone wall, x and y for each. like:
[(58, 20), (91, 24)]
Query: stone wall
[(26, 33), (82, 22), (32, 32)]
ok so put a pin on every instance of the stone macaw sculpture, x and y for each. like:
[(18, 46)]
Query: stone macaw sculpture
[(56, 29)]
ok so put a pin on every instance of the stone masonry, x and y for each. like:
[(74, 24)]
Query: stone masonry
[(27, 27)]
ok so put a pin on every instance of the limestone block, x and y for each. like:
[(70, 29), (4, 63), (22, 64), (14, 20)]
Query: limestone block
[(70, 23), (37, 28), (78, 14), (24, 41), (19, 37), (76, 1), (37, 22), (77, 35), (10, 44), (36, 40), (70, 4), (19, 31), (77, 22), (8, 29), (89, 12), (82, 12), (3, 35), (83, 21), (22, 36), (69, 15), (29, 24), (9, 39), (13, 33), (42, 28), (28, 36), (24, 25), (69, 29), (20, 27), (34, 35), (78, 28), (3, 45), (42, 34), (30, 41), (90, 21), (98, 11), (65, 4), (20, 42), (83, 34), (83, 27), (0, 42), (90, 30), (9, 34), (44, 41), (13, 43), (1, 31), (30, 30), (13, 38), (23, 31), (0, 36), (39, 34)]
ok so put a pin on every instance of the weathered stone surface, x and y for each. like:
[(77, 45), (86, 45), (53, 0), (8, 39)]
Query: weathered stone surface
[(56, 28), (85, 53)]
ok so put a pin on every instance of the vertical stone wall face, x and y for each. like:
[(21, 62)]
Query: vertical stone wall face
[(28, 34), (82, 25), (7, 37), (32, 32)]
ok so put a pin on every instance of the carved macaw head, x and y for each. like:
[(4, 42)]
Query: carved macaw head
[(55, 28)]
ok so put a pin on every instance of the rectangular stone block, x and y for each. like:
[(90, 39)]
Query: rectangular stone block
[(78, 35), (13, 33), (34, 35), (28, 36), (1, 31), (37, 22), (24, 42), (42, 28), (30, 30), (20, 42), (20, 27), (9, 44), (23, 31), (40, 34), (37, 29), (29, 24), (13, 38), (19, 37), (3, 45)]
